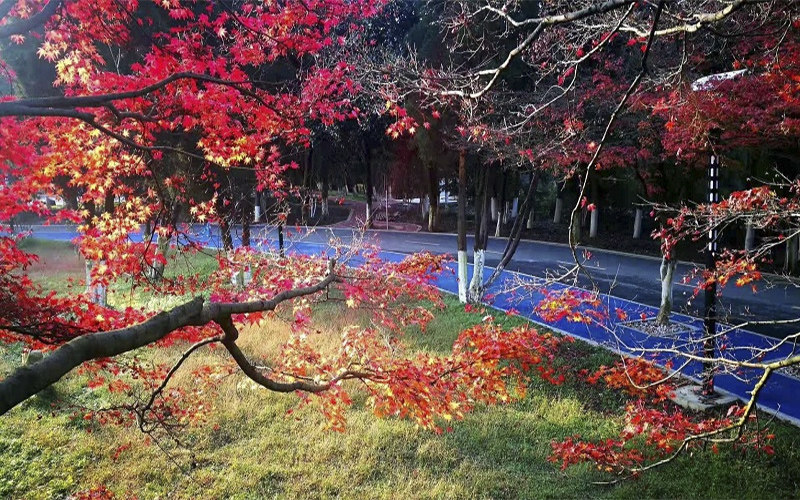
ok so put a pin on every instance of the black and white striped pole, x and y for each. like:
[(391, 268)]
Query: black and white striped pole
[(710, 318), (710, 313)]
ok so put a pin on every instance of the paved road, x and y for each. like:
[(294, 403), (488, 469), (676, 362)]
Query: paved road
[(631, 277), (627, 276), (777, 397)]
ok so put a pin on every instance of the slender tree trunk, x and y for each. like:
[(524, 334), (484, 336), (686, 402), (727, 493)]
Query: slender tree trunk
[(558, 209), (576, 227), (750, 238), (98, 292), (667, 272), (593, 216), (224, 215), (637, 224), (433, 197), (305, 196), (501, 218), (462, 228), (325, 188), (791, 259), (368, 162), (475, 293), (163, 242), (494, 209), (515, 235)]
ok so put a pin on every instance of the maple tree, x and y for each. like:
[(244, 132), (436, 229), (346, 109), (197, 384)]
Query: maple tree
[(602, 84), (153, 142), (149, 141)]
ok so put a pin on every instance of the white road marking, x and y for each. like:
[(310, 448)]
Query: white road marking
[(590, 266), (424, 243)]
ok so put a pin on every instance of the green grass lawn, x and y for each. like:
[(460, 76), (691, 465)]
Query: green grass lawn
[(249, 447)]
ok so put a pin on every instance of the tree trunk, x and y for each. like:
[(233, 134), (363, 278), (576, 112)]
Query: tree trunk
[(162, 247), (305, 191), (501, 217), (256, 208), (637, 224), (482, 213), (494, 208), (559, 208), (433, 198), (515, 235), (368, 164), (593, 223), (575, 229), (750, 238), (667, 271), (529, 225), (325, 188), (462, 228), (97, 292), (791, 260)]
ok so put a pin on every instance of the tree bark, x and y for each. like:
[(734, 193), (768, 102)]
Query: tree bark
[(462, 227), (637, 224), (482, 213), (325, 188), (305, 196), (667, 272), (501, 217), (593, 216), (369, 193), (558, 209), (515, 235), (28, 380), (792, 254), (433, 197), (750, 238)]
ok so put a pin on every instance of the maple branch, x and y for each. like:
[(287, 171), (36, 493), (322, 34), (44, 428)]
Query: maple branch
[(541, 23), (23, 26), (698, 22), (172, 371), (620, 106), (28, 380), (45, 106)]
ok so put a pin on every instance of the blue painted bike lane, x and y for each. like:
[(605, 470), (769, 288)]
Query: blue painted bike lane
[(612, 333)]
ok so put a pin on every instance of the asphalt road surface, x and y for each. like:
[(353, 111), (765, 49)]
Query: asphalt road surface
[(627, 276)]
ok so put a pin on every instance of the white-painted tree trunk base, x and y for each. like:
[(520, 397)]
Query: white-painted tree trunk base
[(515, 208), (557, 211), (637, 224), (257, 213), (667, 274), (98, 294), (593, 224), (475, 293), (529, 225), (462, 276), (324, 207), (493, 208)]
